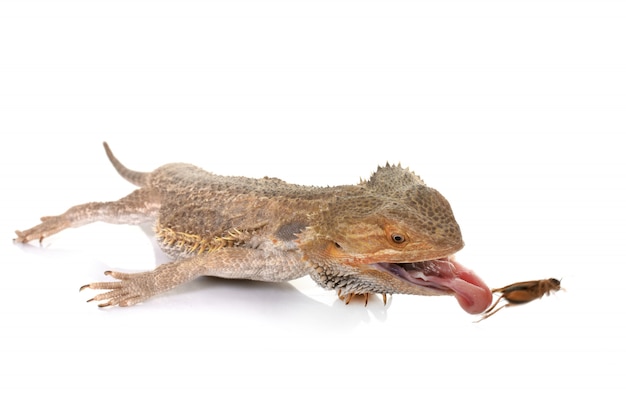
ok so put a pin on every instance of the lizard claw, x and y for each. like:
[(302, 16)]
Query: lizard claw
[(48, 226), (347, 298)]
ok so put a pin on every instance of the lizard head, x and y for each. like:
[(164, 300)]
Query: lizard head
[(391, 234)]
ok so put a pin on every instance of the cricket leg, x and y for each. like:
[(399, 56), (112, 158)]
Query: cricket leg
[(239, 263), (488, 310), (488, 314), (138, 207)]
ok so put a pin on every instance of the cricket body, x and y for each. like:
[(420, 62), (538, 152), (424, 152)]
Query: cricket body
[(522, 293), (390, 234)]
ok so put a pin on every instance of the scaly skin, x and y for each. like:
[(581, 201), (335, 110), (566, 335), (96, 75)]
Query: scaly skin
[(358, 239)]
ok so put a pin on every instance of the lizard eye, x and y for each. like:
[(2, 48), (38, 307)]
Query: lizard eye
[(397, 238)]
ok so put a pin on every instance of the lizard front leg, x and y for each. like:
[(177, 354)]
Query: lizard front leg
[(138, 207), (240, 263)]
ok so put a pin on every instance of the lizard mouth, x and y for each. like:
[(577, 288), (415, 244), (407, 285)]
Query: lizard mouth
[(447, 276)]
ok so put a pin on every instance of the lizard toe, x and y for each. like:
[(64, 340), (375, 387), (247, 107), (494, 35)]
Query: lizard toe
[(129, 289)]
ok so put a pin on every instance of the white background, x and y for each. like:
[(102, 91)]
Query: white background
[(512, 109)]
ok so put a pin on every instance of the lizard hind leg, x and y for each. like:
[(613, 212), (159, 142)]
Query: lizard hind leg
[(138, 207)]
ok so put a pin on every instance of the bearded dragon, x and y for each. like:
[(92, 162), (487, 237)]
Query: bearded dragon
[(390, 234)]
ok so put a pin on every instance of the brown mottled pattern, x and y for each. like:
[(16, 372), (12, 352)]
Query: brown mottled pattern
[(267, 229)]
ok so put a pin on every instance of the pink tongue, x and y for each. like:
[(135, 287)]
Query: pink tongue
[(471, 292)]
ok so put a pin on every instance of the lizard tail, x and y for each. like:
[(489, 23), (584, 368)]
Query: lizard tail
[(134, 177)]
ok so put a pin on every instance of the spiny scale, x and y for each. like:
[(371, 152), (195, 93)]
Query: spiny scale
[(196, 244)]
